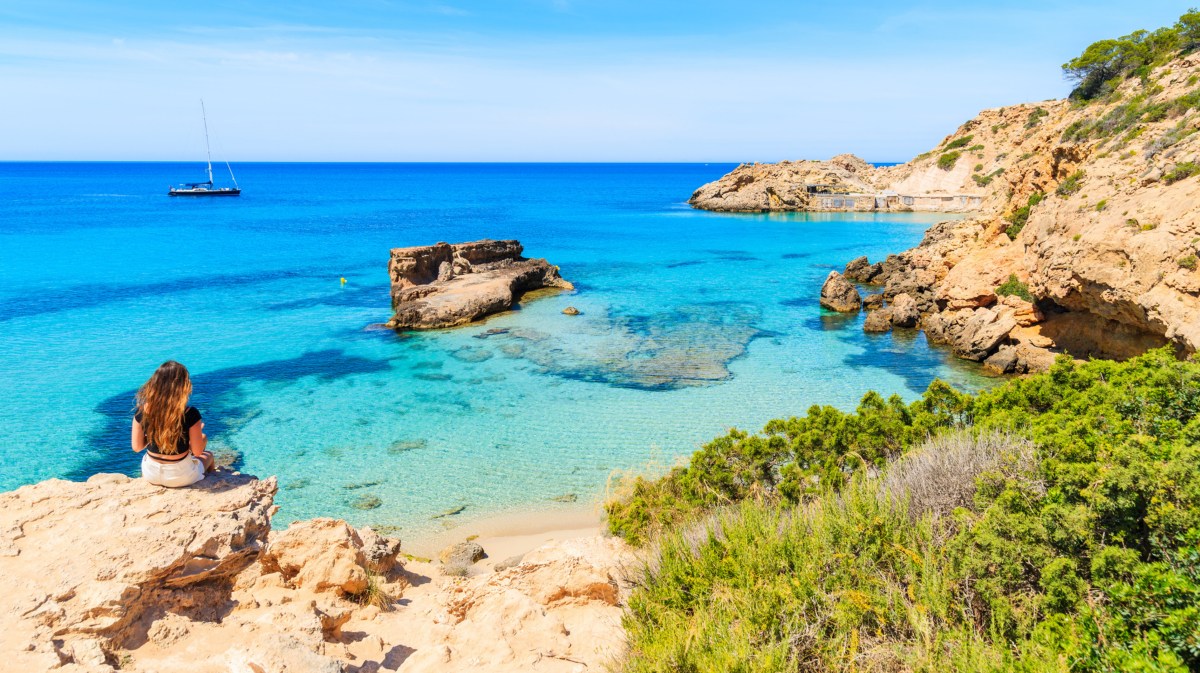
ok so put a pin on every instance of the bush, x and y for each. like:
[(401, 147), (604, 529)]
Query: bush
[(1061, 533), (1101, 68), (1182, 171), (960, 142), (1101, 205), (1071, 184), (1018, 218), (1036, 117), (946, 161), (1014, 287), (1188, 262)]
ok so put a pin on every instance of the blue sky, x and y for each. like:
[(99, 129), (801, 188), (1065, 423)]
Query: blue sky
[(528, 80)]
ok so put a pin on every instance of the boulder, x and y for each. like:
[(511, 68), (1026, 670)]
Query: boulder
[(904, 311), (319, 555), (570, 310), (873, 300), (879, 320), (1025, 313), (1003, 361), (462, 554), (983, 333), (861, 270), (444, 285), (839, 294), (379, 551)]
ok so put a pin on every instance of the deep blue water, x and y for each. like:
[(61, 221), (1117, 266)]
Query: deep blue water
[(692, 322)]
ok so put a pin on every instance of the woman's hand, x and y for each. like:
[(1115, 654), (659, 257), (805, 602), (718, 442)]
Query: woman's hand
[(197, 439)]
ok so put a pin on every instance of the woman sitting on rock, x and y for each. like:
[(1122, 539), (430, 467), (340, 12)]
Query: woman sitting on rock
[(169, 430)]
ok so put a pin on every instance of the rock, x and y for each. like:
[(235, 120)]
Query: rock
[(380, 552), (879, 320), (570, 310), (89, 565), (873, 300), (445, 285), (320, 555), (839, 294), (462, 554), (508, 563), (862, 271), (904, 311), (784, 186), (1003, 361), (1025, 313), (982, 333)]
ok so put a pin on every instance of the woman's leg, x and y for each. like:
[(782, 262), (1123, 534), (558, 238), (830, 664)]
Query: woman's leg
[(209, 461)]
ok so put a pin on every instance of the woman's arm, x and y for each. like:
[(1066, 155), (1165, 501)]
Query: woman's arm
[(137, 438), (197, 439)]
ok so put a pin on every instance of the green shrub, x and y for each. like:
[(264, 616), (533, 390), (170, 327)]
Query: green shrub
[(1018, 218), (1036, 117), (1071, 184), (978, 167), (948, 160), (1014, 287), (1101, 68), (1101, 205), (1182, 171), (1188, 262), (1061, 532), (957, 143)]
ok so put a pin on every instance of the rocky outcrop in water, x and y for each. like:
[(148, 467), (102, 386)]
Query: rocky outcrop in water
[(118, 574), (444, 285), (784, 186), (839, 294)]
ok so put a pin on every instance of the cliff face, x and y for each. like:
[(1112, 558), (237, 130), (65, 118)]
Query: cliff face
[(1094, 208)]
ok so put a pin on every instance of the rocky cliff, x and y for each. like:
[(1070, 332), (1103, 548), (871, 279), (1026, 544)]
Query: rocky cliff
[(444, 285), (1086, 234), (116, 573)]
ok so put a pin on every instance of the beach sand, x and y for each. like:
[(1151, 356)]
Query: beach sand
[(510, 534)]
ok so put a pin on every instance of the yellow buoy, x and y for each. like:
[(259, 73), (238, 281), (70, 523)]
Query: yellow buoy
[(343, 280)]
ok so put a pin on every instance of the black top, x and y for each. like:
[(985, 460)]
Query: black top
[(182, 449)]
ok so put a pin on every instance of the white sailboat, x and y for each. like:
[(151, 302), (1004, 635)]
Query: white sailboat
[(206, 188)]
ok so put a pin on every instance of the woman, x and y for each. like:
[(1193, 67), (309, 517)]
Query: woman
[(169, 430)]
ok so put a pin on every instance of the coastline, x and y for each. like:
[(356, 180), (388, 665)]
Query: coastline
[(513, 532)]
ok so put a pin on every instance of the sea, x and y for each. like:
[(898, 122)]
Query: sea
[(691, 323)]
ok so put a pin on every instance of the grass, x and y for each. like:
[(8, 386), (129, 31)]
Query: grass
[(1036, 117), (1188, 262), (1101, 205), (376, 593)]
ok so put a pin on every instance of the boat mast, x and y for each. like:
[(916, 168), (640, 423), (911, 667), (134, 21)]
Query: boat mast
[(204, 115)]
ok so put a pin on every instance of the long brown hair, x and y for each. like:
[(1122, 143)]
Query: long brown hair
[(163, 403)]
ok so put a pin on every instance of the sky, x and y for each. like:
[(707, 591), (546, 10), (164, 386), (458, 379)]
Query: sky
[(528, 80)]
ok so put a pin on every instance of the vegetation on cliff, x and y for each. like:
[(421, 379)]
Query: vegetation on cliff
[(1101, 68), (1052, 523)]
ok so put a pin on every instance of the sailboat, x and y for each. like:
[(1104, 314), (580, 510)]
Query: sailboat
[(206, 188)]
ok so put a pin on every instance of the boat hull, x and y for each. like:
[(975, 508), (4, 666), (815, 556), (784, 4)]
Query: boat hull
[(204, 192)]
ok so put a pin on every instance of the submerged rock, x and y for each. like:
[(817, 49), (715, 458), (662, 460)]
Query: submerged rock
[(839, 294), (446, 285), (879, 320), (570, 310)]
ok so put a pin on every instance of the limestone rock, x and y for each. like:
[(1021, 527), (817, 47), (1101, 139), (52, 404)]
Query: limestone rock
[(1024, 312), (861, 270), (379, 551), (839, 294), (321, 555), (570, 310), (87, 565), (879, 320), (873, 300), (446, 285), (904, 311), (462, 554), (784, 186), (983, 333)]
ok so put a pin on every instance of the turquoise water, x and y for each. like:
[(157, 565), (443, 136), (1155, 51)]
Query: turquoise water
[(692, 322)]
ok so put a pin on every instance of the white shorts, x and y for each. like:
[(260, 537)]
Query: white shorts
[(172, 475)]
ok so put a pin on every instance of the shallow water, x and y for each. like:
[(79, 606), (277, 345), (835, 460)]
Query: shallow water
[(691, 323)]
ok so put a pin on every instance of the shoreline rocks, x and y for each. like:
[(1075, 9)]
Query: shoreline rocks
[(118, 574), (839, 294), (449, 285)]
